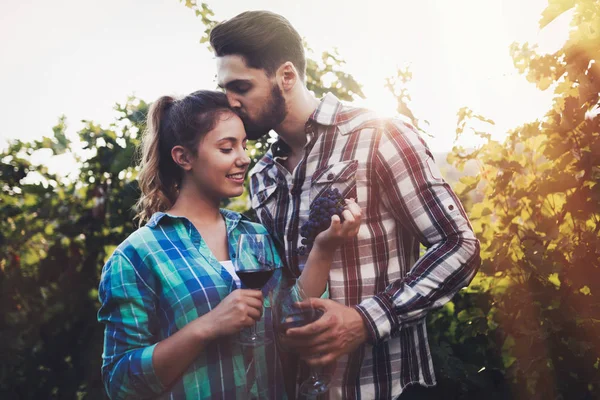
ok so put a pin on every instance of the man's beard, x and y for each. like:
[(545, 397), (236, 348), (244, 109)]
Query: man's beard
[(272, 114)]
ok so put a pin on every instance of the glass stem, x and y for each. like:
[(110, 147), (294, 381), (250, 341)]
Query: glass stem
[(253, 331)]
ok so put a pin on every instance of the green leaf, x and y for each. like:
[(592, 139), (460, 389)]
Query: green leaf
[(585, 290), (553, 278)]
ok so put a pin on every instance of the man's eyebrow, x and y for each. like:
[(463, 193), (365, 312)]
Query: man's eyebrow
[(232, 83)]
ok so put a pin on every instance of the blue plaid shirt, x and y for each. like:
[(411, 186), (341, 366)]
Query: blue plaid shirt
[(158, 280)]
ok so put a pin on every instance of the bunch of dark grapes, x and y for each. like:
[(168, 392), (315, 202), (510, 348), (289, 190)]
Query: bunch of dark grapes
[(330, 203)]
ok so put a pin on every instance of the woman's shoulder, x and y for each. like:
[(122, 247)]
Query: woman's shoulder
[(135, 245)]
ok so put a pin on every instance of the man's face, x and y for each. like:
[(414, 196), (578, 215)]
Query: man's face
[(252, 94)]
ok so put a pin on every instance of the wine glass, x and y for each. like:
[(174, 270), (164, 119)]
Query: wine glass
[(287, 314), (254, 265)]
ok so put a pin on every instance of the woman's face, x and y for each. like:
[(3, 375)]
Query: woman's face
[(220, 165)]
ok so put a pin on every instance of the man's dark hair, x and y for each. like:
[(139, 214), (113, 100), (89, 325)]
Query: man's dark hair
[(264, 39)]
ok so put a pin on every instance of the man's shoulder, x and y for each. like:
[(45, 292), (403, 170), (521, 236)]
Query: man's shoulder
[(355, 119)]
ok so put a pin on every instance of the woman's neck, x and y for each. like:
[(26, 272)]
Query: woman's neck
[(196, 207)]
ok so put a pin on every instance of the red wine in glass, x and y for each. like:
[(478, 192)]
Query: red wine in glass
[(254, 266), (298, 319), (255, 279)]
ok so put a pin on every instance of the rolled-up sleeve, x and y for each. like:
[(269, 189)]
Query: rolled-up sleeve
[(127, 308), (413, 190)]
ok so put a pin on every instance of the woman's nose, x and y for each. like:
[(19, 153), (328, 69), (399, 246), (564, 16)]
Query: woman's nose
[(243, 159)]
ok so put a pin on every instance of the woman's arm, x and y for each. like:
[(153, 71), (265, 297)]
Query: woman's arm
[(172, 356), (135, 365), (315, 274)]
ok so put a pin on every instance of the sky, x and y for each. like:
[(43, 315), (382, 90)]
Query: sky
[(80, 57)]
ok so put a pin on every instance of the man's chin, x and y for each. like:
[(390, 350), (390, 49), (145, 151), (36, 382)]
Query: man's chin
[(255, 133)]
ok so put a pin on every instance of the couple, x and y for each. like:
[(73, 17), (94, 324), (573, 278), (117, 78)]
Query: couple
[(169, 297)]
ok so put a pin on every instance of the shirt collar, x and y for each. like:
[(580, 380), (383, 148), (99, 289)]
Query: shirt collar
[(327, 111), (232, 219), (325, 114)]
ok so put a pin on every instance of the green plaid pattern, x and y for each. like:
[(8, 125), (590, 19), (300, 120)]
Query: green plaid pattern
[(158, 280)]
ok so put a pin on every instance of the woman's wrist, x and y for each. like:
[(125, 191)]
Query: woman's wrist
[(204, 329), (324, 249)]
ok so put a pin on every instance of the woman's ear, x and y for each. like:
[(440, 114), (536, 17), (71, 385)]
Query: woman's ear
[(182, 157)]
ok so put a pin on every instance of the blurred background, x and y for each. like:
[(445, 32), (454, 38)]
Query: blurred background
[(505, 92)]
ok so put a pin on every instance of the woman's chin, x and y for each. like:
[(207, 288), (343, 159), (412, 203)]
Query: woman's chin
[(235, 193)]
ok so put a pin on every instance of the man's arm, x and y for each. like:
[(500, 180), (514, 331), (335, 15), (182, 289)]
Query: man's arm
[(415, 193), (412, 188)]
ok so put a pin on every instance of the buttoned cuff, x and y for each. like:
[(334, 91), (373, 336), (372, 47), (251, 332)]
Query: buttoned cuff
[(379, 317), (143, 374)]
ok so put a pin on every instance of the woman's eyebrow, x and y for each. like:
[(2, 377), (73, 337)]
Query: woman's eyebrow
[(230, 139)]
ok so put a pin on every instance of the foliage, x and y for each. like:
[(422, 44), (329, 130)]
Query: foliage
[(55, 237), (526, 328), (538, 223)]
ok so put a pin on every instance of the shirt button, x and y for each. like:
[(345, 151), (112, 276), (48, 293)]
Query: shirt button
[(330, 176), (296, 191)]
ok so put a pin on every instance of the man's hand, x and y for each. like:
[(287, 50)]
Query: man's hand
[(339, 331)]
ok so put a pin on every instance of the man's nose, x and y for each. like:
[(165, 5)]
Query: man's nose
[(233, 101)]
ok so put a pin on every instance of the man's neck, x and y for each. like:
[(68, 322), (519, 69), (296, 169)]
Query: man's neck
[(292, 129)]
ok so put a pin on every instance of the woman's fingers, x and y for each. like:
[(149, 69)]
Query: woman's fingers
[(354, 208), (254, 313)]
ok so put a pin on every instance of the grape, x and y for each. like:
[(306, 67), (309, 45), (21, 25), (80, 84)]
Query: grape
[(330, 203)]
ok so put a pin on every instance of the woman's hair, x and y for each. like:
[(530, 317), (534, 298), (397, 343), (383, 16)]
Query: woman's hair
[(173, 122), (264, 39)]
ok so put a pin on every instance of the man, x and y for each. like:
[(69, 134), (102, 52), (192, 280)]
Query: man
[(380, 289)]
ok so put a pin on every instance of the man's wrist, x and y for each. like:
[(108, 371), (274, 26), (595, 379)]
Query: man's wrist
[(369, 335), (360, 327)]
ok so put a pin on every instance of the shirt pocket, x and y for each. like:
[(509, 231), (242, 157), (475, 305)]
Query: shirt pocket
[(341, 176)]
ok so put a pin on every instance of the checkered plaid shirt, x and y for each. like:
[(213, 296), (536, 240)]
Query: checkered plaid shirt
[(160, 279), (387, 167)]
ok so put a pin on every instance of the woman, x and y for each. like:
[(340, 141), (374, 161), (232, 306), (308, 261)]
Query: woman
[(169, 299)]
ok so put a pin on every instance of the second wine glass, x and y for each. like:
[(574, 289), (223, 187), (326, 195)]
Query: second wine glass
[(254, 265), (287, 315)]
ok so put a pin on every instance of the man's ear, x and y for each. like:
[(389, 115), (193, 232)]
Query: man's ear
[(182, 157), (287, 76)]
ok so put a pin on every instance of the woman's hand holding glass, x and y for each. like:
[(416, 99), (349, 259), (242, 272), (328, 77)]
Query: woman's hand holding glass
[(240, 309)]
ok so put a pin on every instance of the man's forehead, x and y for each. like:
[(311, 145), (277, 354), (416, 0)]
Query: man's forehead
[(232, 68)]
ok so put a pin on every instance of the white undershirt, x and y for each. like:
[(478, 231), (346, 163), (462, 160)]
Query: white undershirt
[(228, 265)]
